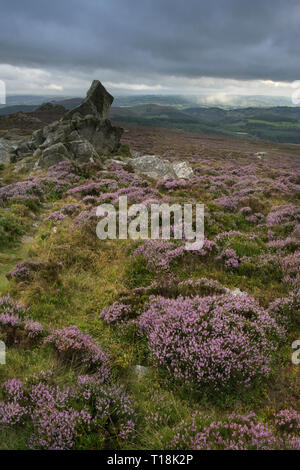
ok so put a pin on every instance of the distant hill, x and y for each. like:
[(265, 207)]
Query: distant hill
[(69, 103), (23, 108), (279, 124)]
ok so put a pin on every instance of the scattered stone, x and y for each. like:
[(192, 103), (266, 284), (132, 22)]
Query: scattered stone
[(140, 371), (235, 292), (27, 239), (261, 155)]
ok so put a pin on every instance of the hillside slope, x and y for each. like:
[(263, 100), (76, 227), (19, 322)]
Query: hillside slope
[(141, 344)]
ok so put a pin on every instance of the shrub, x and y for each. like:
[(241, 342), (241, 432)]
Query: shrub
[(72, 344), (219, 341), (25, 271), (61, 417), (237, 432), (15, 323), (115, 313), (11, 228)]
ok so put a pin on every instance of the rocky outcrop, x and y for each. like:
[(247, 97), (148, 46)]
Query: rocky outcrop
[(158, 168), (83, 134)]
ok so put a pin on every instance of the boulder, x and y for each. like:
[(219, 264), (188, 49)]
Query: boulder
[(158, 168), (261, 155), (154, 167)]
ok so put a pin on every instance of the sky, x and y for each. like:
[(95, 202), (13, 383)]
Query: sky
[(215, 47)]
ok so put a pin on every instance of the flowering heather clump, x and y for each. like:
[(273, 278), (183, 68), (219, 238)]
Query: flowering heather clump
[(288, 421), (209, 248), (11, 307), (285, 310), (159, 253), (283, 214), (14, 320), (73, 344), (94, 188), (115, 313), (172, 184), (60, 417), (30, 189), (26, 270), (135, 194), (70, 209), (289, 244), (237, 432), (202, 285), (255, 218), (290, 267), (87, 219), (230, 258), (218, 341), (33, 328), (57, 216), (111, 405)]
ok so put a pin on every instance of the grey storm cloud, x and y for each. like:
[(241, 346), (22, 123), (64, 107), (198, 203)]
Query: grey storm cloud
[(240, 39)]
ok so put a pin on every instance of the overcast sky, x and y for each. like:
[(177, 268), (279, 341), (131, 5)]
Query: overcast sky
[(150, 46)]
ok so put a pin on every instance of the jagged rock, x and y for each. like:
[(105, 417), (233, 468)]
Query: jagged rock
[(97, 103), (158, 168), (183, 170), (84, 133)]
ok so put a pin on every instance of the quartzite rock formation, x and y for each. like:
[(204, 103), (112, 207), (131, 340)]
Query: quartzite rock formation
[(83, 134)]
